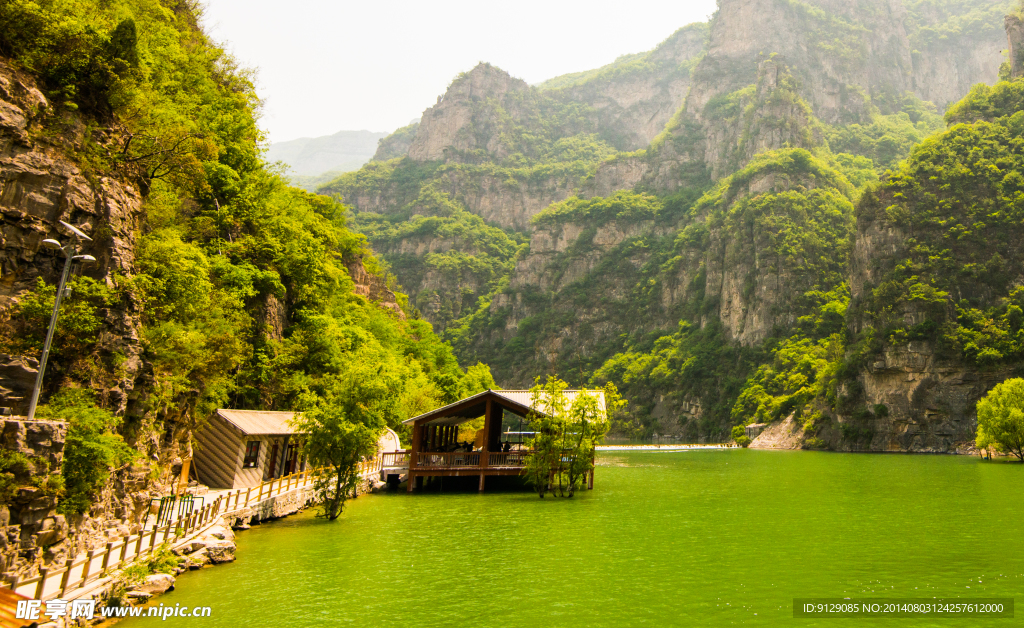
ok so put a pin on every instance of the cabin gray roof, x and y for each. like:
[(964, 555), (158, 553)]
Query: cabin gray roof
[(253, 422)]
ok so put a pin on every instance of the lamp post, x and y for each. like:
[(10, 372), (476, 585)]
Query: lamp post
[(70, 255)]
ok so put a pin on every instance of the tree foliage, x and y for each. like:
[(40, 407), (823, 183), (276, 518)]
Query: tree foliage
[(342, 425), (93, 448), (566, 433), (1001, 418)]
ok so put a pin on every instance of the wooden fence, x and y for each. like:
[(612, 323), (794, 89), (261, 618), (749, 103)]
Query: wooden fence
[(395, 459), (76, 573)]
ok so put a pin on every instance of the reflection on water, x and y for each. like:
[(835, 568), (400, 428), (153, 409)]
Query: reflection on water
[(711, 538)]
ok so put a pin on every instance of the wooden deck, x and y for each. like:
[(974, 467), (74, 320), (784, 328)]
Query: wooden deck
[(454, 463)]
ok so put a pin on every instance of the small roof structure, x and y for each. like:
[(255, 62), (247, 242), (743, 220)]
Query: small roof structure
[(265, 422)]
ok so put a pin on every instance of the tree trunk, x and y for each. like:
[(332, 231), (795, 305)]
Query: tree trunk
[(338, 498)]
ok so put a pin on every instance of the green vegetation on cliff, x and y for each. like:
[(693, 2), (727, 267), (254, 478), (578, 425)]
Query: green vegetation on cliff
[(665, 257), (791, 231), (934, 23), (92, 449), (959, 200)]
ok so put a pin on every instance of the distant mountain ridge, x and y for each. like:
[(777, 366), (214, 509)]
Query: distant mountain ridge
[(341, 152)]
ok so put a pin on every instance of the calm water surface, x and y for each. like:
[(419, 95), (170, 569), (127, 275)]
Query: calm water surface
[(716, 538)]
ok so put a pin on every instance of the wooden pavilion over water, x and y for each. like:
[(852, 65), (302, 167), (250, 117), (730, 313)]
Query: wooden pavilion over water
[(436, 451)]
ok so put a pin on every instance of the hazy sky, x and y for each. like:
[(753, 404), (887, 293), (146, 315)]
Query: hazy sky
[(377, 64)]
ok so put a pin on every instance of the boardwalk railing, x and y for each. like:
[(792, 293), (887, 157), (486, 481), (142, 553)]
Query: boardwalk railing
[(76, 573), (62, 581), (370, 466), (265, 490)]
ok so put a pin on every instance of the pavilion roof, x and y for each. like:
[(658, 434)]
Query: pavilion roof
[(515, 401)]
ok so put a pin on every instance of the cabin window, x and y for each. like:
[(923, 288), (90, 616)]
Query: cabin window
[(252, 454)]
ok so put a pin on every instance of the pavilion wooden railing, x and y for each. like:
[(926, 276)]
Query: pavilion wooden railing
[(448, 459), (508, 459), (76, 573)]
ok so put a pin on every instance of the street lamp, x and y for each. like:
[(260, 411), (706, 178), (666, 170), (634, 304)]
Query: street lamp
[(70, 255)]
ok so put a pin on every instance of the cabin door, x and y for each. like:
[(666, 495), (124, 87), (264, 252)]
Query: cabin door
[(293, 456), (273, 462)]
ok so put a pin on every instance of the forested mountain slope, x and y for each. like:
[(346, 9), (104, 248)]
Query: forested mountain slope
[(709, 270), (215, 285)]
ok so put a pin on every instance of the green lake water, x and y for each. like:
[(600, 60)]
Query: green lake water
[(703, 538)]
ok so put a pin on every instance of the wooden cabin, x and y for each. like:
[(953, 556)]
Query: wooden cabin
[(497, 449), (241, 448)]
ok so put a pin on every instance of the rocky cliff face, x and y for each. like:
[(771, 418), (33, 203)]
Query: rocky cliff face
[(929, 394), (374, 288), (723, 135), (42, 184), (763, 88), (832, 45), (953, 51), (946, 70), (585, 284), (1015, 37), (29, 523), (506, 201)]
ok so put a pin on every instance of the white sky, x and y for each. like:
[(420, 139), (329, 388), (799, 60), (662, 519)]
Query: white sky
[(377, 64)]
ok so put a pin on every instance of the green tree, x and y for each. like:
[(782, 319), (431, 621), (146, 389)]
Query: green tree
[(1001, 418), (13, 465), (343, 424), (93, 448), (567, 431)]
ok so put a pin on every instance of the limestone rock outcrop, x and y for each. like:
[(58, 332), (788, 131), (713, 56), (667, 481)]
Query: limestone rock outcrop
[(29, 523), (17, 378), (458, 122), (374, 288)]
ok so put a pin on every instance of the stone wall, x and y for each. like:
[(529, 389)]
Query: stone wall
[(31, 531)]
